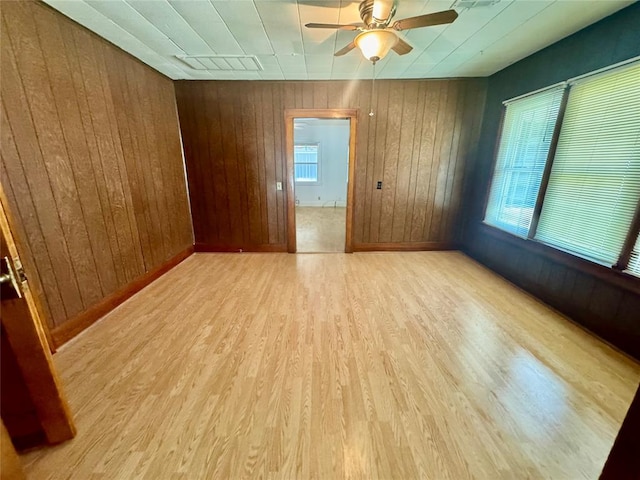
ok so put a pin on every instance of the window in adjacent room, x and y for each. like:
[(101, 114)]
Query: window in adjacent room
[(306, 166), (527, 131)]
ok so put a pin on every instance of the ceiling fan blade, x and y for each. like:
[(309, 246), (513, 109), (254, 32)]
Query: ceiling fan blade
[(401, 47), (345, 50), (428, 20), (335, 26)]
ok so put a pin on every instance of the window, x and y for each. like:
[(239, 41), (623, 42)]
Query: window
[(524, 145), (634, 260), (594, 184), (588, 202), (305, 159)]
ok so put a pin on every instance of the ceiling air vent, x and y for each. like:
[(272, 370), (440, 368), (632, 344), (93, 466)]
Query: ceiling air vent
[(222, 63), (474, 3)]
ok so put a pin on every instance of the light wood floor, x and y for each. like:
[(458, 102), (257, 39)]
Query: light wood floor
[(320, 229), (390, 365)]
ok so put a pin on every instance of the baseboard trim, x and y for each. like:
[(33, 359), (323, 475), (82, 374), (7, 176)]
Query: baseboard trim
[(72, 327), (403, 247), (203, 247)]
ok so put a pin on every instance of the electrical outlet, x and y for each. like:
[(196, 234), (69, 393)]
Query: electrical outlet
[(379, 186), (279, 186)]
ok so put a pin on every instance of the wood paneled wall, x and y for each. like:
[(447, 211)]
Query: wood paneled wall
[(91, 161), (604, 301), (417, 144)]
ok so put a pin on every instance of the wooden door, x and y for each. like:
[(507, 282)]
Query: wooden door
[(26, 338)]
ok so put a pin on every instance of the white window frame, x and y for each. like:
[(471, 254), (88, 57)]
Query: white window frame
[(517, 121), (318, 163)]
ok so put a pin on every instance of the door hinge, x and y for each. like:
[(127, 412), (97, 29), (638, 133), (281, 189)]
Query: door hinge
[(19, 270)]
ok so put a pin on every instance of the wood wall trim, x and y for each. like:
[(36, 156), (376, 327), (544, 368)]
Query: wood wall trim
[(289, 116), (403, 247), (74, 326), (610, 275), (351, 183), (291, 195), (200, 248)]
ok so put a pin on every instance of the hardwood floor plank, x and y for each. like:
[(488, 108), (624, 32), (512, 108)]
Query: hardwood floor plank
[(374, 365)]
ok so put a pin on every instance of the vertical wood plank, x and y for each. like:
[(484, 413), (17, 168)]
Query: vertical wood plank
[(405, 135), (262, 133), (169, 128), (415, 160), (82, 88), (279, 160), (436, 163), (423, 171), (395, 116), (464, 123), (381, 132), (133, 262), (130, 151), (210, 143), (110, 196), (448, 201), (363, 174), (203, 185), (449, 138), (241, 165)]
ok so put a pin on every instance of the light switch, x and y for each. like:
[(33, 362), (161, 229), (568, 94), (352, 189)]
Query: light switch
[(278, 185)]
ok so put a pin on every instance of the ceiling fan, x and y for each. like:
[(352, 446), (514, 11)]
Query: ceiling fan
[(378, 35)]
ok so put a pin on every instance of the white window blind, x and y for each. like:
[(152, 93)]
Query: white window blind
[(634, 261), (524, 145), (594, 185)]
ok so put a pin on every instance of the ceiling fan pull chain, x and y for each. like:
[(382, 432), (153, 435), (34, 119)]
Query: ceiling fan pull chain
[(373, 89)]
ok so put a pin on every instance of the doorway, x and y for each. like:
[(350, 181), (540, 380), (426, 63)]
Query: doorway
[(320, 171)]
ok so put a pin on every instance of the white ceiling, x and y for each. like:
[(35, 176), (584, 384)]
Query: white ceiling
[(483, 39)]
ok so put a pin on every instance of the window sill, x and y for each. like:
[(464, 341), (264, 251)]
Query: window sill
[(621, 279)]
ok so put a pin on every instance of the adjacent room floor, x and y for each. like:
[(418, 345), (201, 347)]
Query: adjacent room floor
[(382, 365), (320, 229)]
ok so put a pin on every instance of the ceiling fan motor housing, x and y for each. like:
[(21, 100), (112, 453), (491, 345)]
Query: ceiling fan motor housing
[(366, 14)]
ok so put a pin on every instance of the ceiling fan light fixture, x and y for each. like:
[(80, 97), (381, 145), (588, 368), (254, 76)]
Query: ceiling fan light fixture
[(375, 44)]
